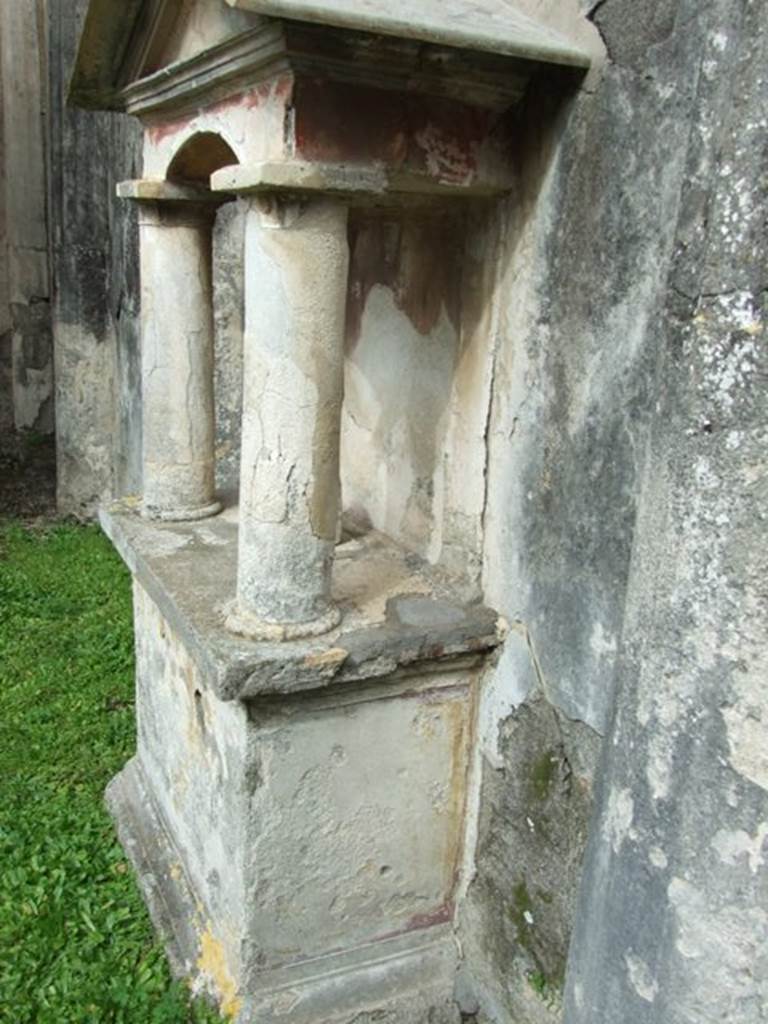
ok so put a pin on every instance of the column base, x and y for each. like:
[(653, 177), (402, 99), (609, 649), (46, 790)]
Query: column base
[(245, 623), (182, 515)]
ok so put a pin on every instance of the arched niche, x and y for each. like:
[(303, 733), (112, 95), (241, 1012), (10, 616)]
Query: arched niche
[(198, 157)]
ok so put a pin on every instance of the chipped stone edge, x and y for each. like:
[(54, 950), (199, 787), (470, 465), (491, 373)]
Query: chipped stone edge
[(363, 657)]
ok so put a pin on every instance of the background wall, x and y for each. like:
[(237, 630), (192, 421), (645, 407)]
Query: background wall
[(95, 286), (26, 352)]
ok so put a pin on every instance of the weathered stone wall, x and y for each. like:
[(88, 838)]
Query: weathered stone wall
[(95, 281), (673, 916), (26, 356), (608, 344)]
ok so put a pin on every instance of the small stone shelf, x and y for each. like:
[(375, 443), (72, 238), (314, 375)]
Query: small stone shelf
[(398, 613)]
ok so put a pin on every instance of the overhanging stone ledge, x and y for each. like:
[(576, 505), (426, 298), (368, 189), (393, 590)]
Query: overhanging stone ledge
[(480, 25), (398, 613), (156, 190), (355, 182)]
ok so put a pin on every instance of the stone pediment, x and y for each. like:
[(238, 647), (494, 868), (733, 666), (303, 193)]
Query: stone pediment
[(181, 30), (154, 56), (125, 43)]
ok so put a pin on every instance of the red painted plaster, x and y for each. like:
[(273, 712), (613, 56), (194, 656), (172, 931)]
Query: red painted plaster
[(417, 256)]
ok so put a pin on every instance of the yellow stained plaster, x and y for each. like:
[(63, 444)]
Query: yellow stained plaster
[(334, 656), (213, 964)]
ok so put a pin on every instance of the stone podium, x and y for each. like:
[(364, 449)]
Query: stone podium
[(307, 680)]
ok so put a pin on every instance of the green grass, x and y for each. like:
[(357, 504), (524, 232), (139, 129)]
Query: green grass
[(76, 944)]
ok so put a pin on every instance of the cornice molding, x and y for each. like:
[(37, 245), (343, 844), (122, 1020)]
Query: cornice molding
[(244, 59), (347, 40), (277, 47)]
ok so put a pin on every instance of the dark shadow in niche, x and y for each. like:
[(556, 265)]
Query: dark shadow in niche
[(197, 159)]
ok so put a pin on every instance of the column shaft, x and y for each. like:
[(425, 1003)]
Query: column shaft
[(177, 362), (296, 266)]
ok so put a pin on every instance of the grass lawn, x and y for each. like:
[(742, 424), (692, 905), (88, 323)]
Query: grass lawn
[(76, 943)]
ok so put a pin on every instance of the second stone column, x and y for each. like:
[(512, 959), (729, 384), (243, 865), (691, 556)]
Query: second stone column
[(177, 361), (296, 267)]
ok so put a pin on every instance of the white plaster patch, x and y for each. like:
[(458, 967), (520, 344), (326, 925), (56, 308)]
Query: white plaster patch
[(208, 536), (657, 857), (398, 424), (166, 542), (507, 686), (640, 977), (657, 770), (745, 724), (600, 642), (668, 704), (29, 397), (730, 846), (578, 994), (721, 949), (618, 819)]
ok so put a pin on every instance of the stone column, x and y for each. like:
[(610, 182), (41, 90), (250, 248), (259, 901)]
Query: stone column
[(177, 361), (296, 265)]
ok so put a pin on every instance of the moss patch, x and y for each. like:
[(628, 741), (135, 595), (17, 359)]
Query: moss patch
[(522, 905), (524, 914), (543, 774)]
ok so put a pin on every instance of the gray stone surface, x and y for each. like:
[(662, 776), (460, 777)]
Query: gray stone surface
[(573, 375), (166, 890), (613, 262), (673, 918), (397, 611), (582, 274)]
